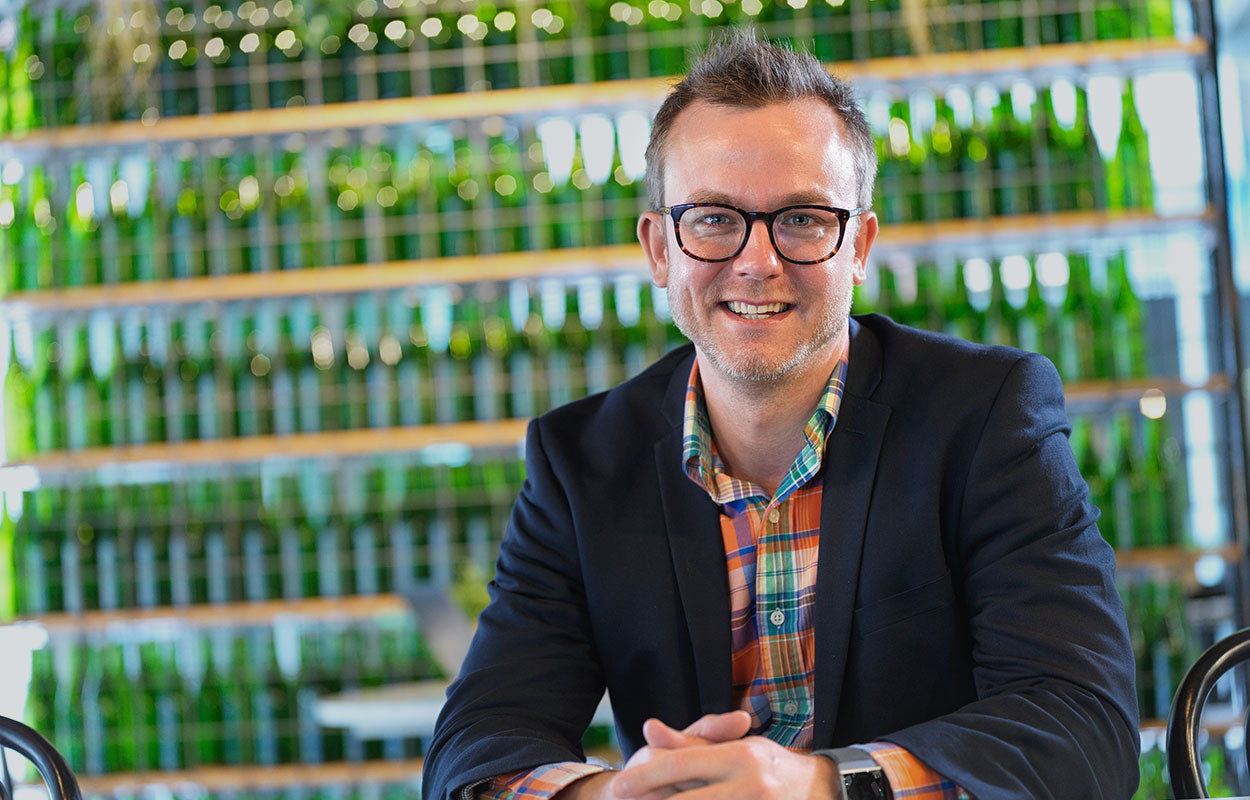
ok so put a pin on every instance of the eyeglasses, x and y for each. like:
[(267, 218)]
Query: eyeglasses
[(800, 234)]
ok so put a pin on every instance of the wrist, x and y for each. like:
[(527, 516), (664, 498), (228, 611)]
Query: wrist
[(591, 787), (860, 777)]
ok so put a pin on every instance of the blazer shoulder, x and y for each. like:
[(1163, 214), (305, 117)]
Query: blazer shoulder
[(914, 357)]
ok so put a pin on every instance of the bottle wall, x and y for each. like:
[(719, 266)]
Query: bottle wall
[(282, 283)]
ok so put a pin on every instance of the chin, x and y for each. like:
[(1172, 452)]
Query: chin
[(755, 368)]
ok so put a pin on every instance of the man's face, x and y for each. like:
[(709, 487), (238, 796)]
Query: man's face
[(759, 159)]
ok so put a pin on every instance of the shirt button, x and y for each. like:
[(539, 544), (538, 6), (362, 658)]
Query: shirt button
[(774, 516), (777, 617), (790, 707)]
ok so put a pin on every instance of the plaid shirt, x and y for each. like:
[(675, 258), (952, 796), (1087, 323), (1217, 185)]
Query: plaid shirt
[(770, 551)]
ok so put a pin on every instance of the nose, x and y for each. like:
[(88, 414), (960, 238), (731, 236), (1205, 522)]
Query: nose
[(758, 259)]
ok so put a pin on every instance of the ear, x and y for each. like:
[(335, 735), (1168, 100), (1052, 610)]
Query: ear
[(865, 235), (655, 245)]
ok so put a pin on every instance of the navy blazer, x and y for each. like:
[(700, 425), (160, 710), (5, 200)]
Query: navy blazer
[(966, 603)]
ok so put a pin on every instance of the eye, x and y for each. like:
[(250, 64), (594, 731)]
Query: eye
[(713, 219), (798, 219)]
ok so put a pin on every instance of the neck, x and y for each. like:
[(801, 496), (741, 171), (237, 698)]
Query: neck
[(758, 426)]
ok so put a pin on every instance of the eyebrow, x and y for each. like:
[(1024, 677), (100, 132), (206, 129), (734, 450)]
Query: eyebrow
[(809, 198)]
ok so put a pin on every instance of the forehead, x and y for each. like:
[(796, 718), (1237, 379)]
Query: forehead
[(759, 155)]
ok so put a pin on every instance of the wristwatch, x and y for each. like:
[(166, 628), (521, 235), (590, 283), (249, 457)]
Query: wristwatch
[(862, 776)]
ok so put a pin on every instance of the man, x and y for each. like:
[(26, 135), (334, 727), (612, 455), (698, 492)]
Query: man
[(808, 532)]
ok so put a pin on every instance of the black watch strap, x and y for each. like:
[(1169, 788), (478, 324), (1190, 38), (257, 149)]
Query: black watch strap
[(862, 776)]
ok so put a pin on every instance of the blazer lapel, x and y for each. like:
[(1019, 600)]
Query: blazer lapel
[(850, 467), (698, 553)]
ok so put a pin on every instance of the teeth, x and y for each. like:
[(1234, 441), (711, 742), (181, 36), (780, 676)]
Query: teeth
[(750, 311)]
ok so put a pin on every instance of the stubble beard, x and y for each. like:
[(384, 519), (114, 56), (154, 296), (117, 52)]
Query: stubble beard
[(753, 366)]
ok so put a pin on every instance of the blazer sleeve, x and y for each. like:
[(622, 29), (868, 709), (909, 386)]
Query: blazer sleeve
[(1056, 714), (531, 681)]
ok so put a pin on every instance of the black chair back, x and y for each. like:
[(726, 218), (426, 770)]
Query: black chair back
[(62, 785), (1184, 764)]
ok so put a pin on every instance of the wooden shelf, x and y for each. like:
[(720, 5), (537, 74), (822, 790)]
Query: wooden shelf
[(1044, 61), (497, 435), (259, 778), (1131, 391), (256, 778), (1217, 723), (1171, 560), (226, 615), (330, 280), (1031, 230), (255, 449), (1163, 560)]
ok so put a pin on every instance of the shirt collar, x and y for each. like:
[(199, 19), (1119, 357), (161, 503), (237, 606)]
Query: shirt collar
[(703, 464)]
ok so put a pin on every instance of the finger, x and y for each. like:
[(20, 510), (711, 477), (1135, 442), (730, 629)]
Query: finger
[(720, 727), (658, 734), (673, 768)]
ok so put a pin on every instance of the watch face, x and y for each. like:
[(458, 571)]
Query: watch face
[(868, 785)]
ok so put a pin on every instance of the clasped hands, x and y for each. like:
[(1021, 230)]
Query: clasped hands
[(713, 759)]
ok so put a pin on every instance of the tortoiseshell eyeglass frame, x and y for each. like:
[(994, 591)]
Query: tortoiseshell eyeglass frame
[(844, 215)]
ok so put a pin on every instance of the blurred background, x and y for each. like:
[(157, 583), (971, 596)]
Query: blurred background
[(283, 280)]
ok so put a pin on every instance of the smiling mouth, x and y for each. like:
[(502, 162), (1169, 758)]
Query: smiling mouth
[(750, 311)]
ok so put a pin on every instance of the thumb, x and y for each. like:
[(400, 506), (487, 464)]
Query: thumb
[(721, 727), (662, 736)]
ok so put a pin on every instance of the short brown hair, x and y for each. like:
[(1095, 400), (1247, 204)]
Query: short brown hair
[(740, 70)]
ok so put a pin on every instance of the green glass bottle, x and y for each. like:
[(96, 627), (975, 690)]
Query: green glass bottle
[(360, 338), (947, 195), (163, 697), (1001, 26), (556, 60), (293, 210), (436, 324), (497, 30), (1068, 181), (967, 299), (834, 40), (188, 236), (445, 43), (38, 712), (1077, 343), (98, 710), (565, 180), (1126, 315), (1112, 20), (1011, 152), (37, 233), (122, 707), (17, 343), (629, 334), (311, 353), (10, 546), (1009, 304), (506, 188), (887, 34), (1090, 448), (82, 233), (1160, 19), (1129, 487), (211, 731), (1129, 180), (25, 73), (610, 36), (521, 366), (263, 701), (1165, 469), (893, 142)]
